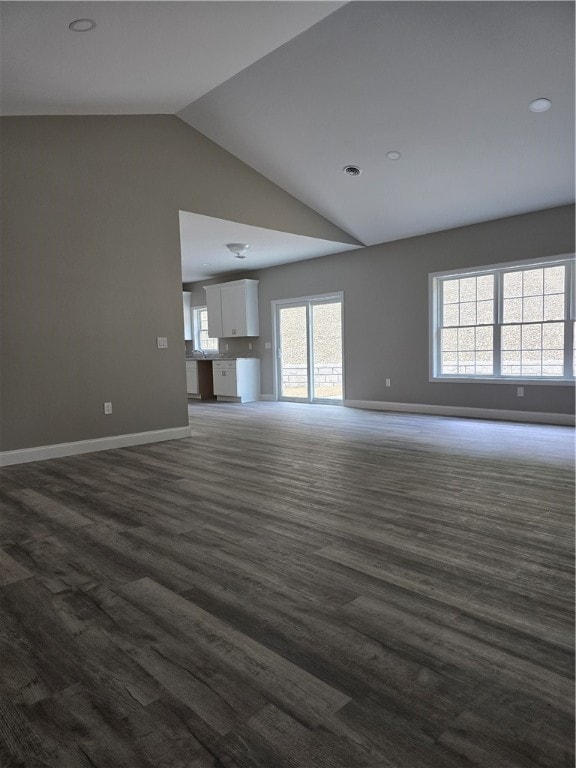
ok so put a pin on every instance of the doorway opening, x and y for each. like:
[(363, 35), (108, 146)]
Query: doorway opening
[(308, 345)]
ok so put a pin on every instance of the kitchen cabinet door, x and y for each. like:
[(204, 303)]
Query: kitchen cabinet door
[(192, 377), (214, 308), (234, 310), (225, 381)]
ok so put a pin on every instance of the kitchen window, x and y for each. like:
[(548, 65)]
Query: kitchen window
[(504, 323), (200, 326)]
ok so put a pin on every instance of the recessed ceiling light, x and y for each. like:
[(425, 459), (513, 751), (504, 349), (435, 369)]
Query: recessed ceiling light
[(82, 25), (352, 170), (394, 155), (540, 105)]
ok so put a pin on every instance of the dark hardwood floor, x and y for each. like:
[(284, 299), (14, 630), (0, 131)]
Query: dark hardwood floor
[(293, 587)]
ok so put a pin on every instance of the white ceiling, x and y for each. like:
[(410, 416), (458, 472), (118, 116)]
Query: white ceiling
[(142, 57), (204, 254), (448, 84), (297, 90)]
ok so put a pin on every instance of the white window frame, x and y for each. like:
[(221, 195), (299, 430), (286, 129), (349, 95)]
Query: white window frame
[(434, 292), (196, 330)]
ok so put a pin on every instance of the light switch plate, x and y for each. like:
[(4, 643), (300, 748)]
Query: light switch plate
[(268, 345), (162, 342), (520, 391), (107, 408)]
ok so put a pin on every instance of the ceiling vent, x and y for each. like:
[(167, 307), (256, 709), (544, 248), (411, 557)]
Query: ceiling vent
[(352, 170)]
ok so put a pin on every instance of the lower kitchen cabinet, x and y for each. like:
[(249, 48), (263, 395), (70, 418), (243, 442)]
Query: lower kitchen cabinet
[(237, 380), (199, 379)]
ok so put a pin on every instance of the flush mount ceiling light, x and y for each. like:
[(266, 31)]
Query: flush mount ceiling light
[(82, 25), (238, 249), (540, 105), (352, 170), (393, 155)]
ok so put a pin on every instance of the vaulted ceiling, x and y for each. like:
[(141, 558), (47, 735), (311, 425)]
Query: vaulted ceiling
[(300, 90), (141, 58), (448, 85)]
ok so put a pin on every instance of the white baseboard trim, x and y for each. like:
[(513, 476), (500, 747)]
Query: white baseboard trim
[(60, 450), (561, 419), (268, 398)]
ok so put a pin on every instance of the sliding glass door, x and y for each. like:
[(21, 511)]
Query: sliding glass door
[(309, 349)]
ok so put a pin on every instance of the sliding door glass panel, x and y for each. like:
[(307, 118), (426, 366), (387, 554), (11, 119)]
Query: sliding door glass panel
[(327, 350), (293, 342)]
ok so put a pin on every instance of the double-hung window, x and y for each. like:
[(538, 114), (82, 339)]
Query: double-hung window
[(504, 323), (200, 327)]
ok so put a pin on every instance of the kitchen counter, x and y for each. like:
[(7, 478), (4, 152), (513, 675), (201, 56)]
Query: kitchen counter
[(229, 357)]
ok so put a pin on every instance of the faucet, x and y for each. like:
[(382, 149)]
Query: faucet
[(199, 352)]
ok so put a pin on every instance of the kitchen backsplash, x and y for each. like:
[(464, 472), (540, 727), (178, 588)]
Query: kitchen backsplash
[(236, 348)]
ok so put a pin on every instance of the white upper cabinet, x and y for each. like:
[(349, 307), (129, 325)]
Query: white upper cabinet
[(214, 308), (233, 309), (187, 302)]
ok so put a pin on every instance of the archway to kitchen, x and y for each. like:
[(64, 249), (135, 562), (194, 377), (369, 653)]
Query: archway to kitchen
[(208, 265)]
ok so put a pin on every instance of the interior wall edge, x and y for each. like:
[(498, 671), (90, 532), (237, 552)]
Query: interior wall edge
[(91, 267)]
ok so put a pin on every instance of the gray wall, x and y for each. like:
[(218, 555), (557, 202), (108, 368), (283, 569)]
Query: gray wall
[(386, 308), (91, 267)]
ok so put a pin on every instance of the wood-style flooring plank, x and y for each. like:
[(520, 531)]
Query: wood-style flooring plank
[(11, 570), (511, 729), (271, 673), (510, 608), (452, 652), (140, 636)]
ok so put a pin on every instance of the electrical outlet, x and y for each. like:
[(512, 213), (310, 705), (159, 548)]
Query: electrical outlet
[(268, 345), (520, 391), (387, 382), (107, 408), (162, 342), (249, 345), (226, 347)]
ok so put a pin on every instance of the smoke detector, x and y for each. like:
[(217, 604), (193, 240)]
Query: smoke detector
[(238, 249)]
